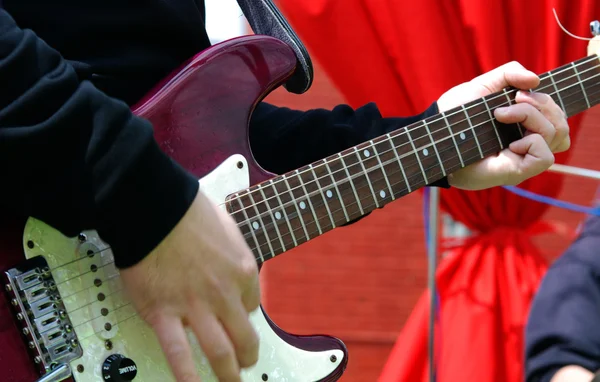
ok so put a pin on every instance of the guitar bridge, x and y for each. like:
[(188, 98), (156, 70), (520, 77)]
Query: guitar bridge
[(43, 320)]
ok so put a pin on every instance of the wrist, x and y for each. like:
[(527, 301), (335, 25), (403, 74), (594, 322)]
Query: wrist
[(151, 198)]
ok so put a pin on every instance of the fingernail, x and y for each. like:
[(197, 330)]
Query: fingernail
[(502, 110), (524, 93)]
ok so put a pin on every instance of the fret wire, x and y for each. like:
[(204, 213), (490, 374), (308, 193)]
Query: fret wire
[(510, 103), (472, 128), (493, 123), (284, 213), (505, 94), (399, 162), (325, 203), (272, 180), (264, 196), (434, 147), (362, 212), (261, 222), (581, 85), (359, 159), (294, 202), (453, 139), (416, 154), (557, 92), (250, 228), (339, 194), (314, 214), (387, 181)]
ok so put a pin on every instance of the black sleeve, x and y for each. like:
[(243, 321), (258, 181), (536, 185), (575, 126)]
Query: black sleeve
[(77, 159), (284, 140), (563, 327)]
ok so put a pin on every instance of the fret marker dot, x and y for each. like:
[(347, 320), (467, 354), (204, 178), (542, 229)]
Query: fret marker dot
[(329, 193), (302, 205), (255, 225), (462, 136), (367, 153), (382, 194), (425, 152), (277, 215)]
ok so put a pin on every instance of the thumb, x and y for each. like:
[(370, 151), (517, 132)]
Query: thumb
[(510, 74)]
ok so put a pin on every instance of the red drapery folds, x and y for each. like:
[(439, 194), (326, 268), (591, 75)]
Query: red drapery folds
[(405, 54)]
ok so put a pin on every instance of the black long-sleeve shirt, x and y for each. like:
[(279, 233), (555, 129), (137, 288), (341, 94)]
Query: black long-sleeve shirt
[(71, 152)]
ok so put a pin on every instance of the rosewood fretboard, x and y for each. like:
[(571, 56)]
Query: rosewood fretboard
[(291, 209)]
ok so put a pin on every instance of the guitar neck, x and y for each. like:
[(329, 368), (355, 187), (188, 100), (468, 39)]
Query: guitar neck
[(291, 209)]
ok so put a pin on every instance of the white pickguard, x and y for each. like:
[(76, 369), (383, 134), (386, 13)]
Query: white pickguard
[(129, 334)]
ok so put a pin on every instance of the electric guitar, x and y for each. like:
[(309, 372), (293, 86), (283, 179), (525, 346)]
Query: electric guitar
[(64, 314)]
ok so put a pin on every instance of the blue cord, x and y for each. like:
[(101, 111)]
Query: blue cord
[(553, 201)]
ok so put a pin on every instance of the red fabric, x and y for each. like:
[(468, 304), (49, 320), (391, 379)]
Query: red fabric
[(405, 54)]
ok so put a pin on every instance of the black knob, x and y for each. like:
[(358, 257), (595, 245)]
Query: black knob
[(118, 368)]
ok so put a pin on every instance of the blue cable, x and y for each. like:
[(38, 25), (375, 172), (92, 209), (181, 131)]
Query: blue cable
[(553, 201)]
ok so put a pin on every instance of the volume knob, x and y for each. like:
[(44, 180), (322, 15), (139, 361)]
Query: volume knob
[(118, 368)]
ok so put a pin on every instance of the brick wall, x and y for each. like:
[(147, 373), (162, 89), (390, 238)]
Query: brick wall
[(359, 283)]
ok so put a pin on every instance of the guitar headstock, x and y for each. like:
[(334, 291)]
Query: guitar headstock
[(594, 44)]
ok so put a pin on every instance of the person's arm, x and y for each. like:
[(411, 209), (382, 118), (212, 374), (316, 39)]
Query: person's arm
[(563, 327), (76, 158), (283, 139)]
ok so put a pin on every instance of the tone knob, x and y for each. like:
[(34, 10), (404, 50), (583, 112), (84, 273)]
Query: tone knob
[(118, 368)]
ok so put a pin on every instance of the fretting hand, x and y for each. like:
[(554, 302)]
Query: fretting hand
[(546, 124)]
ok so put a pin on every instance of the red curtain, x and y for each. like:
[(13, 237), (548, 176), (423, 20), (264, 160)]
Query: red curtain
[(405, 54)]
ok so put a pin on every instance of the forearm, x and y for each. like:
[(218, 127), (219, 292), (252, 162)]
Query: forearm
[(78, 159), (284, 140)]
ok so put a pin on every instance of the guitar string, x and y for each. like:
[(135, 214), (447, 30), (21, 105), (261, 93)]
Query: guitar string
[(135, 314), (89, 254), (256, 258), (293, 232), (392, 135), (406, 130), (361, 173), (95, 301), (408, 154), (320, 178), (129, 303), (101, 267), (268, 226), (542, 77)]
